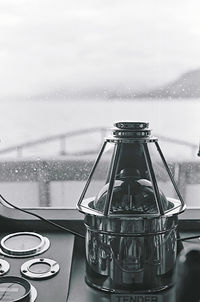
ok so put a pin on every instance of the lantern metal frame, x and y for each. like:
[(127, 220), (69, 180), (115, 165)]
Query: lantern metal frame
[(130, 248), (113, 168)]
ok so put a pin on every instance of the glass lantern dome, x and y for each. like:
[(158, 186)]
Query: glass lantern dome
[(131, 176)]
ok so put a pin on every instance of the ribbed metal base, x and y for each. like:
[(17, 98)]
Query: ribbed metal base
[(121, 291)]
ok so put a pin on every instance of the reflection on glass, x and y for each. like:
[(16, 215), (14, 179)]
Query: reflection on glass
[(100, 177), (133, 192), (163, 178)]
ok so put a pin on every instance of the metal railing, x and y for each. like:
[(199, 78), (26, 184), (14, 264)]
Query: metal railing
[(61, 138), (64, 168), (64, 137)]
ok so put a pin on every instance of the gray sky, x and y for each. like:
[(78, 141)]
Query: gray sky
[(84, 44)]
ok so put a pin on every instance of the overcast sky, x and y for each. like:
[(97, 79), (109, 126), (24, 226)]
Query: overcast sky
[(56, 45)]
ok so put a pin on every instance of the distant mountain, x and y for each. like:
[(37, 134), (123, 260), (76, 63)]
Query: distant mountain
[(186, 86)]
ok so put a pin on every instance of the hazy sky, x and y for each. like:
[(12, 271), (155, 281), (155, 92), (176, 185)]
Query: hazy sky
[(86, 44)]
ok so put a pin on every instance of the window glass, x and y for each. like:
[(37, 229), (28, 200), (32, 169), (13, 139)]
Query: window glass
[(100, 179), (70, 69), (169, 193)]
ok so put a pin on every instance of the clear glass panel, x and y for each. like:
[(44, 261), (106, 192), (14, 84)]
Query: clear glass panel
[(168, 194), (132, 191), (99, 178)]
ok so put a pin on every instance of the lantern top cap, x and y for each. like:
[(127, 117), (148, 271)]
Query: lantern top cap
[(131, 125), (131, 129)]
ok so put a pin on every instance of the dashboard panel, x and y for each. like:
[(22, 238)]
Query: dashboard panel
[(67, 252)]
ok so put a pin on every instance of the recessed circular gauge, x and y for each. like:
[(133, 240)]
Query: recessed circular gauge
[(23, 244), (4, 267), (40, 268), (16, 289)]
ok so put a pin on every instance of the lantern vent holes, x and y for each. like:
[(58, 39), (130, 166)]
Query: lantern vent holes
[(131, 125), (131, 129)]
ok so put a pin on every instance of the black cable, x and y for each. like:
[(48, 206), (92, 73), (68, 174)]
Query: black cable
[(42, 218), (66, 229), (188, 238)]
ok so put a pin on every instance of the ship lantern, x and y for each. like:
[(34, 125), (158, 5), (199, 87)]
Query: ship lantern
[(131, 205)]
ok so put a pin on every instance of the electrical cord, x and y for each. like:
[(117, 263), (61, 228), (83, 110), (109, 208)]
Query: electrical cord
[(66, 229), (188, 238), (42, 218)]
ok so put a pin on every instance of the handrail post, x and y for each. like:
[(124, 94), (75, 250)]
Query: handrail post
[(62, 145), (44, 186), (19, 151)]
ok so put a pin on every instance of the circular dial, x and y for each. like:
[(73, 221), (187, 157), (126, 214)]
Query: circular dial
[(39, 268), (23, 244), (15, 289)]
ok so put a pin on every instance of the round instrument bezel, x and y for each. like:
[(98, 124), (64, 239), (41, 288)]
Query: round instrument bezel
[(30, 291), (54, 268), (39, 249)]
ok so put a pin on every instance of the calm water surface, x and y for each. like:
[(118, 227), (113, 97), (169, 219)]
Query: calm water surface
[(26, 120)]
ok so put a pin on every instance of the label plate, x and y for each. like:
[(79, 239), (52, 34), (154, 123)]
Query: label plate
[(137, 298)]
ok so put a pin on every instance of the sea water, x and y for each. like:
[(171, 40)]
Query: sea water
[(23, 121)]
